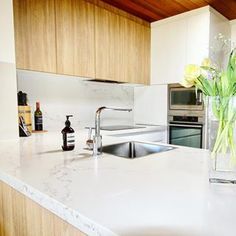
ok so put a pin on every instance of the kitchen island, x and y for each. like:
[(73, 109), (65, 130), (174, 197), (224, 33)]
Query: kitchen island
[(166, 193)]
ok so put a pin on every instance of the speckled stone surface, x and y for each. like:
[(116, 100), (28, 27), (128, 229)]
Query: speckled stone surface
[(160, 194)]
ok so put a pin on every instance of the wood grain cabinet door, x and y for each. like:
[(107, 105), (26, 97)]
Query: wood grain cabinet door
[(136, 56), (107, 44), (122, 48), (35, 35), (20, 216), (75, 38), (82, 38)]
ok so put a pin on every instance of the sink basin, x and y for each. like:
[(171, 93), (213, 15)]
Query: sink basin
[(135, 149)]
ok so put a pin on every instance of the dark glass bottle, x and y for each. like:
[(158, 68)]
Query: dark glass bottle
[(38, 118), (68, 136)]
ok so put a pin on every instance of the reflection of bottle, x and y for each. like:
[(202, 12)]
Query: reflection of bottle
[(68, 136), (38, 118)]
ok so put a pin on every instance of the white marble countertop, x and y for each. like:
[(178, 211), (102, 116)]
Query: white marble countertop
[(161, 194)]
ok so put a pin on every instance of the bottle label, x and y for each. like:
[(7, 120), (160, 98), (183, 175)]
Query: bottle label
[(39, 120), (70, 138)]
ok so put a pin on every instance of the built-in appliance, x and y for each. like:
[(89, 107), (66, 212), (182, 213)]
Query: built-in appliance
[(186, 117), (181, 98)]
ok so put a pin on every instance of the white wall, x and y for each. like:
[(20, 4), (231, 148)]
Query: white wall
[(7, 45), (61, 95), (150, 105), (8, 102)]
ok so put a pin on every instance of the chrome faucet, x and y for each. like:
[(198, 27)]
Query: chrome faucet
[(97, 138)]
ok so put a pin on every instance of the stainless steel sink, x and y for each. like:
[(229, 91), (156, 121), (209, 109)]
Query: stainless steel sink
[(135, 149)]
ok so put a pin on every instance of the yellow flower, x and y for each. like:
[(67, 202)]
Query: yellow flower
[(186, 84), (191, 73), (206, 62)]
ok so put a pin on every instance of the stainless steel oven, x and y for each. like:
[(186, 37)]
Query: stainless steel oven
[(186, 117), (181, 98), (185, 133)]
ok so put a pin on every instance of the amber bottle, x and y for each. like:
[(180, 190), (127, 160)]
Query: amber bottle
[(38, 118), (68, 136)]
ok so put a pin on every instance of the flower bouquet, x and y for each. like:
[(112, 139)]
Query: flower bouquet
[(219, 87)]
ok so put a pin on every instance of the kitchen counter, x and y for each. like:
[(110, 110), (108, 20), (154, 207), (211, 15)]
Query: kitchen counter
[(162, 194)]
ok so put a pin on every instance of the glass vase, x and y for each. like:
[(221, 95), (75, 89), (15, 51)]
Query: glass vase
[(221, 117)]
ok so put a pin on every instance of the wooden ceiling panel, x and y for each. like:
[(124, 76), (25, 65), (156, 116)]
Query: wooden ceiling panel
[(135, 9), (226, 8), (191, 4), (153, 10)]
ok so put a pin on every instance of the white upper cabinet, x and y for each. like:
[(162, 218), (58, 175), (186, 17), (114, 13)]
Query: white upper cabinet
[(233, 31), (219, 24), (197, 47), (168, 46), (183, 39)]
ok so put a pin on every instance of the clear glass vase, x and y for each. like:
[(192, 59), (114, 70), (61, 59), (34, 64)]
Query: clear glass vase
[(221, 118)]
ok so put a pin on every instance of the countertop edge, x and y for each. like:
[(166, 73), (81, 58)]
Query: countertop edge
[(71, 216)]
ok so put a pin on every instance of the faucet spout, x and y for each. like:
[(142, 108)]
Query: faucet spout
[(97, 139)]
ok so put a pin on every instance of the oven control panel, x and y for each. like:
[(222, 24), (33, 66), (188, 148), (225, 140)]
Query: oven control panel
[(193, 119)]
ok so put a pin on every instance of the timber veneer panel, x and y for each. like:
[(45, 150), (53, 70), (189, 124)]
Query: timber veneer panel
[(75, 38), (86, 38), (18, 212), (7, 211), (122, 48), (107, 44), (1, 212), (35, 35), (20, 216), (136, 51)]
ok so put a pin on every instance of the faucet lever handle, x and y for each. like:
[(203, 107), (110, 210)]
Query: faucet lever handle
[(89, 141)]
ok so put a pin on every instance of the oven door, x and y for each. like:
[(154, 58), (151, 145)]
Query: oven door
[(189, 135)]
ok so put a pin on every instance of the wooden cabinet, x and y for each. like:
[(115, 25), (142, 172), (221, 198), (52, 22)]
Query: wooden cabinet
[(136, 52), (108, 51), (86, 38), (21, 216), (122, 48), (34, 22), (75, 38)]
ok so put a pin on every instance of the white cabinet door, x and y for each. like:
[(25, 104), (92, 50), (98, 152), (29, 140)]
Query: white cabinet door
[(168, 51), (219, 24), (197, 38)]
